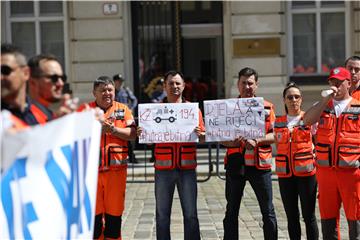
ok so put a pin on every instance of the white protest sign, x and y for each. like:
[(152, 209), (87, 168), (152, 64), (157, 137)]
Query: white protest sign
[(227, 119), (49, 179), (168, 122)]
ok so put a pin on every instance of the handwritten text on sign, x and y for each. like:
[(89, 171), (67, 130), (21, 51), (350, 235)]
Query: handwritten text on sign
[(228, 119), (168, 122)]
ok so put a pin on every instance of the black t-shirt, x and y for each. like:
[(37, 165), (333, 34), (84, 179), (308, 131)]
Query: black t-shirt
[(27, 115)]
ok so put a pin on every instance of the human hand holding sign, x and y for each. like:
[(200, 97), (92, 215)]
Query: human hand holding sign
[(200, 134), (249, 143), (138, 131)]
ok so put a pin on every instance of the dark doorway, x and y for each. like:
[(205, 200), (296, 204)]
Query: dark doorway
[(153, 44), (185, 36)]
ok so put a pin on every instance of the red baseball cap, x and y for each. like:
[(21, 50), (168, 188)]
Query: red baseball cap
[(340, 73)]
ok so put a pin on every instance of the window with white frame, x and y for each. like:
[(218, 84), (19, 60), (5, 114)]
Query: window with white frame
[(37, 27), (317, 36)]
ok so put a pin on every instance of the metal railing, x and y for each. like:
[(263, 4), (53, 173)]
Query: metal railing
[(208, 155)]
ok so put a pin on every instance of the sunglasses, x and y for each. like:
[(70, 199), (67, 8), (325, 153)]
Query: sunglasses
[(6, 70), (291, 97), (55, 78)]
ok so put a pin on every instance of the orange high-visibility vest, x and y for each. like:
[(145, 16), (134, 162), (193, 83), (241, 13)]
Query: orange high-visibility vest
[(260, 156), (17, 123), (294, 149), (113, 150), (338, 141), (39, 115), (356, 94), (172, 155), (177, 155)]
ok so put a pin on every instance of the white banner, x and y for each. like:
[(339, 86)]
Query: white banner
[(168, 122), (227, 119), (49, 179)]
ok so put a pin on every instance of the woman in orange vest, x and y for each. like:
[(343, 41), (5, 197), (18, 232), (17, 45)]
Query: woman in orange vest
[(295, 165)]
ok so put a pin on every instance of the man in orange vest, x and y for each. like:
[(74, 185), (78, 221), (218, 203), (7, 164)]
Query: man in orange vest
[(337, 155), (117, 129), (175, 165), (353, 65), (46, 84), (14, 76), (250, 160)]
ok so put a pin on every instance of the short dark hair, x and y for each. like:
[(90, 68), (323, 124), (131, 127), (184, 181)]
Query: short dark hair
[(352, 58), (173, 73), (118, 77), (34, 63), (103, 80), (247, 72), (7, 48)]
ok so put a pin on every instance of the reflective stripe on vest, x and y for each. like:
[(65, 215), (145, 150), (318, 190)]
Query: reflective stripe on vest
[(338, 138), (163, 163), (252, 156), (294, 149), (349, 164), (280, 169), (164, 155), (114, 162), (117, 155), (323, 153), (187, 156), (171, 155), (249, 157), (186, 163), (264, 154), (264, 162), (113, 150), (305, 169), (352, 110), (323, 162)]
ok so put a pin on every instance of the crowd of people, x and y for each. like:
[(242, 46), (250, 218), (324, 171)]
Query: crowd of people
[(318, 150)]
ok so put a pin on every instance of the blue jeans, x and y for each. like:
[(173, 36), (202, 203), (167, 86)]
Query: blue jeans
[(260, 181), (165, 182)]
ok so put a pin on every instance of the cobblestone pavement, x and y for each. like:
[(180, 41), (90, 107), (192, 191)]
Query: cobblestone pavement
[(139, 216)]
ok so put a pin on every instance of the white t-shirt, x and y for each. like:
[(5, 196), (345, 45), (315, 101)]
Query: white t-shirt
[(340, 106), (292, 121)]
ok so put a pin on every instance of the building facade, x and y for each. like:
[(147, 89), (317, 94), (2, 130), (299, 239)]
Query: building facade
[(208, 41)]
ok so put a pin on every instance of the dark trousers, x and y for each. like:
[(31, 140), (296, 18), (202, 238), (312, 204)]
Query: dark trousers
[(131, 154), (291, 189), (260, 181), (185, 182)]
